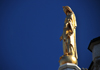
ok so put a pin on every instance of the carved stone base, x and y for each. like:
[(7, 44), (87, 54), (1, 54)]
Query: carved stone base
[(69, 66)]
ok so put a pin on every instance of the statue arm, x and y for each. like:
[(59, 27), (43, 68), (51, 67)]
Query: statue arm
[(68, 18)]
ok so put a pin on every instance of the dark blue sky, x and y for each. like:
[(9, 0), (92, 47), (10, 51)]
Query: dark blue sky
[(30, 31)]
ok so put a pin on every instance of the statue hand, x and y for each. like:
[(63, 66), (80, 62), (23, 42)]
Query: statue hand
[(61, 38)]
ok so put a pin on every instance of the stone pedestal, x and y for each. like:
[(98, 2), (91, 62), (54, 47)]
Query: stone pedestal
[(69, 66)]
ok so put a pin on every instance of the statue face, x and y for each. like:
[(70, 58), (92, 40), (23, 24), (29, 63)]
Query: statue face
[(67, 10)]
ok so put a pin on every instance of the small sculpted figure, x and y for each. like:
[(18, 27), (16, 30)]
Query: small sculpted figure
[(69, 33)]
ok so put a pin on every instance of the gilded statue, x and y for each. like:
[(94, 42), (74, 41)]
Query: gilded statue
[(69, 35)]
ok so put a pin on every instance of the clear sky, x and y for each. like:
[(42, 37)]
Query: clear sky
[(30, 31)]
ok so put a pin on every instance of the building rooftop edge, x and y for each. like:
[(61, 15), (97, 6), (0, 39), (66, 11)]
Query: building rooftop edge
[(92, 43)]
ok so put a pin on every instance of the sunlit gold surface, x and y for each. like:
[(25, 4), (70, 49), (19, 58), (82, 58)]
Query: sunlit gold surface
[(69, 38), (67, 59)]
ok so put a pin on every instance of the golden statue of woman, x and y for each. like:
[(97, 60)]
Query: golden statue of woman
[(69, 33)]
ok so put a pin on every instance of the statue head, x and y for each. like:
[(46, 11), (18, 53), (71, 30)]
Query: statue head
[(67, 10)]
